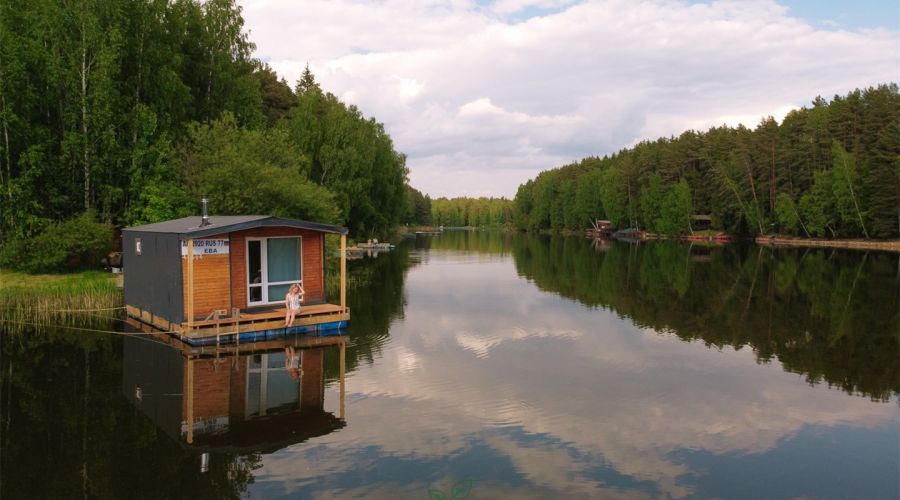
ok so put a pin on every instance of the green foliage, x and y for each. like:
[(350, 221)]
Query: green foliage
[(652, 203), (154, 193), (613, 194), (245, 171), (676, 210), (881, 182), (588, 204), (78, 243), (351, 156), (523, 206), (418, 207), (845, 176), (93, 93), (471, 212), (159, 202), (817, 206), (787, 214), (277, 96), (138, 108), (737, 175)]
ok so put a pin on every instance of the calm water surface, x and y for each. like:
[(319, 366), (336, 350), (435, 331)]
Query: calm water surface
[(506, 366)]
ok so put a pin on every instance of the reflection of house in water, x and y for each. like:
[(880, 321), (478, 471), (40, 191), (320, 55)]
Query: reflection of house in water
[(701, 253), (601, 244), (246, 398)]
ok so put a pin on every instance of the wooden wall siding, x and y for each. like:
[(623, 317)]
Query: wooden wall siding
[(312, 265), (211, 290)]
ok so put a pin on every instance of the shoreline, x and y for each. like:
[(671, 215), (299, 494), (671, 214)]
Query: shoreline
[(779, 241), (721, 238)]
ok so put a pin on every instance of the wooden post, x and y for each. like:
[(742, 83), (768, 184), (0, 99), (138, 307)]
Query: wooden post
[(343, 367), (190, 285), (189, 394), (343, 272)]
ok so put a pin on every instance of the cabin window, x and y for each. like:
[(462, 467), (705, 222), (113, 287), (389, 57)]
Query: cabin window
[(273, 265)]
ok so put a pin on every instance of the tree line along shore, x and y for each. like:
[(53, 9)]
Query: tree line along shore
[(827, 175), (830, 170)]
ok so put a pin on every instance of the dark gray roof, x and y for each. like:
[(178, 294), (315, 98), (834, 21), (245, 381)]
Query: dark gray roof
[(189, 227)]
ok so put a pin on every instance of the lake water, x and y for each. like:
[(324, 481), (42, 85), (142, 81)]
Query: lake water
[(504, 366)]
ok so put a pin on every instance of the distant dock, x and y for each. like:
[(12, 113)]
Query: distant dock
[(779, 241)]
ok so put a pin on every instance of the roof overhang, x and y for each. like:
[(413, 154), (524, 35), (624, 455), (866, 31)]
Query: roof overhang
[(188, 228)]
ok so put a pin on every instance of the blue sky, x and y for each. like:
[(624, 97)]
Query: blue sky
[(850, 15), (482, 96)]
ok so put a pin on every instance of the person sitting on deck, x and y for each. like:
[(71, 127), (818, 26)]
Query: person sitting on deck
[(292, 302)]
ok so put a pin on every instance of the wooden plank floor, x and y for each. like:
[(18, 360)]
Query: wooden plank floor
[(305, 311)]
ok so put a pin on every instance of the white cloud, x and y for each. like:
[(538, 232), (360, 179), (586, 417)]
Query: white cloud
[(481, 100)]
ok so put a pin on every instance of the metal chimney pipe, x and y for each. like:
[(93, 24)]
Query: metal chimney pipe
[(204, 221)]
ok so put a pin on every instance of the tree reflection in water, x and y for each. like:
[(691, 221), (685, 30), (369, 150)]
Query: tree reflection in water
[(828, 314)]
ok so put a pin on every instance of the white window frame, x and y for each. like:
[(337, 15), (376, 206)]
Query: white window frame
[(264, 283), (264, 372)]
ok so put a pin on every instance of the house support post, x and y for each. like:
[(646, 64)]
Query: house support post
[(190, 286), (343, 273)]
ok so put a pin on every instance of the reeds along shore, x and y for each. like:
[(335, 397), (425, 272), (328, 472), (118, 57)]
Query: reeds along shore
[(883, 245), (72, 300)]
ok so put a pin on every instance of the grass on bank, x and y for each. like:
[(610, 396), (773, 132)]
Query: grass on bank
[(57, 297)]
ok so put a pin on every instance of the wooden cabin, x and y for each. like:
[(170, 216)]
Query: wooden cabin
[(600, 227), (701, 222), (224, 278)]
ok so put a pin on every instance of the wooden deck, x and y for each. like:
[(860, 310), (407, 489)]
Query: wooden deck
[(298, 341), (237, 322)]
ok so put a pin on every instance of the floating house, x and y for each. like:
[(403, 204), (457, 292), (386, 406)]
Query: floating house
[(224, 278)]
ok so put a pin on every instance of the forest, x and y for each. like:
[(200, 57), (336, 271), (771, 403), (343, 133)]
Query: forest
[(828, 170), (131, 111), (471, 212)]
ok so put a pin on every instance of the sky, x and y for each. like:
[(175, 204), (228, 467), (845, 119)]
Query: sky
[(483, 95)]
